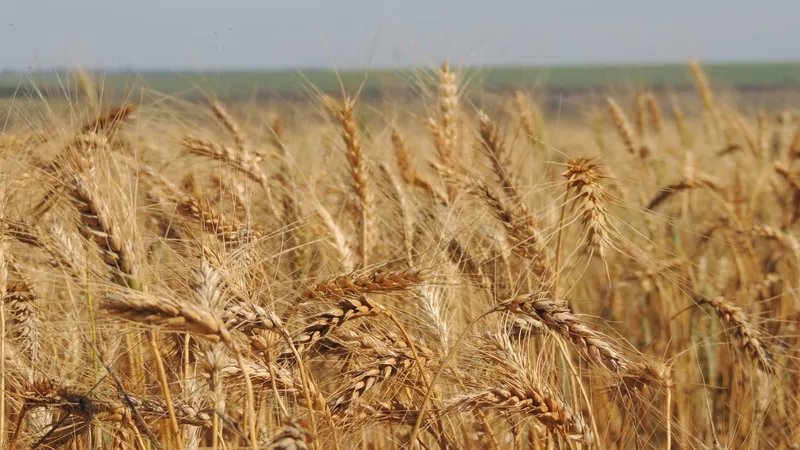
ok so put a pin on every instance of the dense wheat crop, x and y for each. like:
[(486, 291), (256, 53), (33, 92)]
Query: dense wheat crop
[(439, 272)]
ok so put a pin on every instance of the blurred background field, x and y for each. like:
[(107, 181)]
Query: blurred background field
[(233, 85)]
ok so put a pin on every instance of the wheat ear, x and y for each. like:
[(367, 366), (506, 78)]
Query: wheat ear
[(495, 148), (706, 96), (110, 122), (522, 396), (448, 108), (641, 115), (236, 132), (180, 316), (583, 181), (531, 124), (687, 183), (622, 125), (345, 114), (376, 282), (293, 436), (525, 238), (102, 226), (750, 338), (243, 162), (558, 317)]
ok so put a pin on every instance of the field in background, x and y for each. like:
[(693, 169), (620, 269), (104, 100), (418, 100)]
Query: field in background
[(250, 84)]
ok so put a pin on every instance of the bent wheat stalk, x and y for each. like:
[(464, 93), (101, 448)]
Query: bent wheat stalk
[(558, 317)]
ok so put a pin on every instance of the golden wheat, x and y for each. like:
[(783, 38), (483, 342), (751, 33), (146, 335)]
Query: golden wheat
[(153, 298)]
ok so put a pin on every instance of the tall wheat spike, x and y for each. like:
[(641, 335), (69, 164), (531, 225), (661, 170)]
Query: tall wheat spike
[(345, 113), (623, 126), (583, 181)]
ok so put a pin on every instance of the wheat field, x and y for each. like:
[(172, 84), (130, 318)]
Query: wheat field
[(423, 273)]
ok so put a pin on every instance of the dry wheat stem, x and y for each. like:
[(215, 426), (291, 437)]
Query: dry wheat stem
[(446, 362), (162, 379), (306, 382)]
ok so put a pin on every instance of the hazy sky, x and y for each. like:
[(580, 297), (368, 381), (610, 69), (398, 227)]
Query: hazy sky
[(359, 33)]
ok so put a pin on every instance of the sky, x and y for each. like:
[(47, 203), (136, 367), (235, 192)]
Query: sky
[(360, 34)]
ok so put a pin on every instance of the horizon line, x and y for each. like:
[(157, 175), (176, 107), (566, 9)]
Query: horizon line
[(385, 68)]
